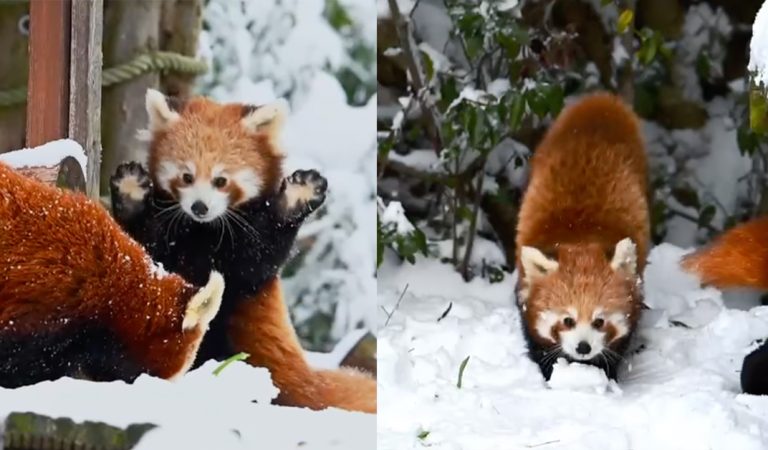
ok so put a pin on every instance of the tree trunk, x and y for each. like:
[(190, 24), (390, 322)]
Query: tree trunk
[(182, 21), (130, 29)]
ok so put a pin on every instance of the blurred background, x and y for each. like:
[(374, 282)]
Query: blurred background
[(318, 54)]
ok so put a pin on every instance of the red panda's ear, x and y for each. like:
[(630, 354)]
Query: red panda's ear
[(160, 111), (536, 264), (625, 257), (267, 118)]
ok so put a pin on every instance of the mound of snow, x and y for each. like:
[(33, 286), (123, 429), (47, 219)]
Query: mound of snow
[(231, 410), (678, 388), (579, 377)]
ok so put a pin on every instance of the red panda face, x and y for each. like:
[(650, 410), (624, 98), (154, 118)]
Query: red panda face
[(213, 157), (581, 302)]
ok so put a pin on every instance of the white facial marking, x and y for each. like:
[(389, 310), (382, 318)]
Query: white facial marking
[(250, 183), (582, 332), (203, 191), (545, 322), (619, 321)]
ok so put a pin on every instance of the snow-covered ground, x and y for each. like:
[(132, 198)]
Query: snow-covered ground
[(203, 411), (680, 390)]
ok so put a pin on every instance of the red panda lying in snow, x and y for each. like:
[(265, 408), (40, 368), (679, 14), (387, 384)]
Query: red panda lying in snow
[(79, 298), (583, 236)]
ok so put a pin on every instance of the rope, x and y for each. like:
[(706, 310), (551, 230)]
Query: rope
[(162, 62)]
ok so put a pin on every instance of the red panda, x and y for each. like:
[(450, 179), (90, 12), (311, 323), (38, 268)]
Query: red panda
[(738, 258), (78, 297), (583, 235), (214, 198)]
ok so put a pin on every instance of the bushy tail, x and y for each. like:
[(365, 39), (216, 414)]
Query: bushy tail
[(261, 327), (738, 258)]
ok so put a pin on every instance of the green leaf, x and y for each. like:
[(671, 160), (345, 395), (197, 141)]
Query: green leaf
[(474, 45), (448, 93), (747, 140), (238, 357), (686, 196), (422, 434), (516, 113), (625, 20), (429, 66), (537, 101), (706, 215), (555, 99), (461, 372)]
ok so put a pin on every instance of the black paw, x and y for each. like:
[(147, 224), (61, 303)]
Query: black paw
[(130, 186), (303, 192)]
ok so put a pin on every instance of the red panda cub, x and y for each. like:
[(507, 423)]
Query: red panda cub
[(79, 298), (738, 258), (214, 197), (583, 235)]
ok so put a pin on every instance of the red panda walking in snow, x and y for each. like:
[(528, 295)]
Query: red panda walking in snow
[(583, 236), (738, 258), (214, 198), (79, 298)]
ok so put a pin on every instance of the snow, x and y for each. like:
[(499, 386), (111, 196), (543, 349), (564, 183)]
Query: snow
[(758, 47), (201, 410), (679, 391), (48, 154)]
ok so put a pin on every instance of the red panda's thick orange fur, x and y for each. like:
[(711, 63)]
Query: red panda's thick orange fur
[(592, 165), (64, 260), (587, 193), (737, 258), (261, 327)]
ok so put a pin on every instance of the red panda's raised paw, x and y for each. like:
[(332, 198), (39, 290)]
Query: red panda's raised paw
[(302, 193), (130, 189)]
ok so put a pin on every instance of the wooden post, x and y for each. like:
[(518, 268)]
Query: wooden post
[(85, 85), (133, 30), (48, 96)]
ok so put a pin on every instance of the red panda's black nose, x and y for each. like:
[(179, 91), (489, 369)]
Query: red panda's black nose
[(199, 208), (583, 348)]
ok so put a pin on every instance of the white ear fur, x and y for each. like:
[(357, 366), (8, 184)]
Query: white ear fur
[(625, 257), (536, 264), (160, 114), (269, 118)]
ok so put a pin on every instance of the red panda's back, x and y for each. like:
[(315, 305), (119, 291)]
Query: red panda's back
[(588, 179), (42, 250)]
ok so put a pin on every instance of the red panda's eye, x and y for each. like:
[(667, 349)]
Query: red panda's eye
[(598, 323), (569, 322), (187, 178), (219, 182)]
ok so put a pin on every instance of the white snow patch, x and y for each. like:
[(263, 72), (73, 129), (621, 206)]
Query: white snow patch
[(758, 46), (679, 391), (395, 214), (47, 155), (201, 410)]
